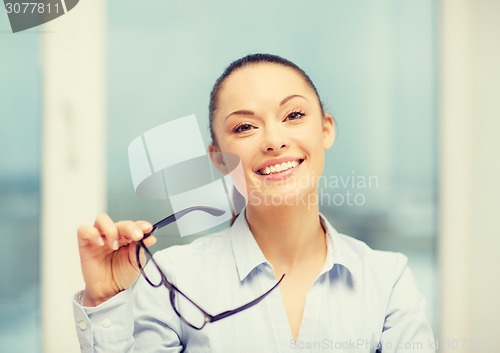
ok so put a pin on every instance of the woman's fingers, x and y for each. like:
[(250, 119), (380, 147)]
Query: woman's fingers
[(132, 231), (107, 228), (107, 253), (129, 231), (89, 234), (119, 233), (114, 235), (150, 241), (146, 227)]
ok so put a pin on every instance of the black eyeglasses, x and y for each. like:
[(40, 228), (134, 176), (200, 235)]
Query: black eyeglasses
[(187, 310)]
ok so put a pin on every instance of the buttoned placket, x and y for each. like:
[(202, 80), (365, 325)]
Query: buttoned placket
[(275, 310), (275, 307), (280, 326)]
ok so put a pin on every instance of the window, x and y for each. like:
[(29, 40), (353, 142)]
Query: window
[(19, 191), (373, 64)]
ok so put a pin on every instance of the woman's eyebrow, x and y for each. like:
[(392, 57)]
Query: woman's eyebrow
[(240, 112), (249, 112), (291, 97)]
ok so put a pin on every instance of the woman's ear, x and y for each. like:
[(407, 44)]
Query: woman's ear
[(328, 131), (217, 159)]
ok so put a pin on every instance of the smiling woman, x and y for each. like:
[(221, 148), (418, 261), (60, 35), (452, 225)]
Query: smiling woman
[(267, 111)]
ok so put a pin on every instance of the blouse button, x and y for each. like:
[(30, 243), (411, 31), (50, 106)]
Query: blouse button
[(82, 325)]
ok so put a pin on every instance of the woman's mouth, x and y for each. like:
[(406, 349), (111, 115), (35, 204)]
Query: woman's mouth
[(279, 167)]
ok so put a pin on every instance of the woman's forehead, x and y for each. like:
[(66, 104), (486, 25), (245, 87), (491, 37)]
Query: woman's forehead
[(266, 80)]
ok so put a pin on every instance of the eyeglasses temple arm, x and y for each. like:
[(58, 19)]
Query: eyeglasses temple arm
[(246, 306), (172, 218)]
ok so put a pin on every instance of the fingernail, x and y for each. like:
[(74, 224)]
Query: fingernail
[(115, 245), (146, 226), (100, 241)]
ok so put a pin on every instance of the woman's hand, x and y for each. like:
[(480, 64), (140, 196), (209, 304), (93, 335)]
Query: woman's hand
[(108, 256)]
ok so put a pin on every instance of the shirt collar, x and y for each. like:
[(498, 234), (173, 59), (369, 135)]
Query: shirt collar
[(338, 251), (248, 254)]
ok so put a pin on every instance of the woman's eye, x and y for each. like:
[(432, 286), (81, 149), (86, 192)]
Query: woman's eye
[(295, 115), (242, 128)]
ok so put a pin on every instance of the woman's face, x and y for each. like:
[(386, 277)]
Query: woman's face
[(271, 118)]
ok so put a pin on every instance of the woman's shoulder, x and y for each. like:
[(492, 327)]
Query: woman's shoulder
[(367, 255), (377, 271), (363, 260)]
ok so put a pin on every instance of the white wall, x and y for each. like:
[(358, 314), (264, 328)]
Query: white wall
[(73, 171), (470, 175)]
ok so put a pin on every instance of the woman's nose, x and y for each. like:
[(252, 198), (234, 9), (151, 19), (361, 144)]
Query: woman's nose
[(274, 139)]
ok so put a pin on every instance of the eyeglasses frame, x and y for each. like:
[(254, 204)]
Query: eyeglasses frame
[(208, 318)]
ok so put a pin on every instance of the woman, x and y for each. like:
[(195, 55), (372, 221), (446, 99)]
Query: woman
[(337, 295)]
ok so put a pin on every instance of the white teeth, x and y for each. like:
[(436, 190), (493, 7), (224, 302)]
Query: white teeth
[(279, 167)]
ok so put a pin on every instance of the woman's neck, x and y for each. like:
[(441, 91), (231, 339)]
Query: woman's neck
[(289, 236)]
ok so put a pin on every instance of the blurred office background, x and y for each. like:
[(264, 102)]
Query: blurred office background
[(413, 85)]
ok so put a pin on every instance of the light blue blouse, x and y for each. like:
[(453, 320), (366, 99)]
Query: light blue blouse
[(363, 300)]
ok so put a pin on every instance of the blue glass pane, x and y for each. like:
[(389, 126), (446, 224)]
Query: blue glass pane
[(374, 64), (19, 190)]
